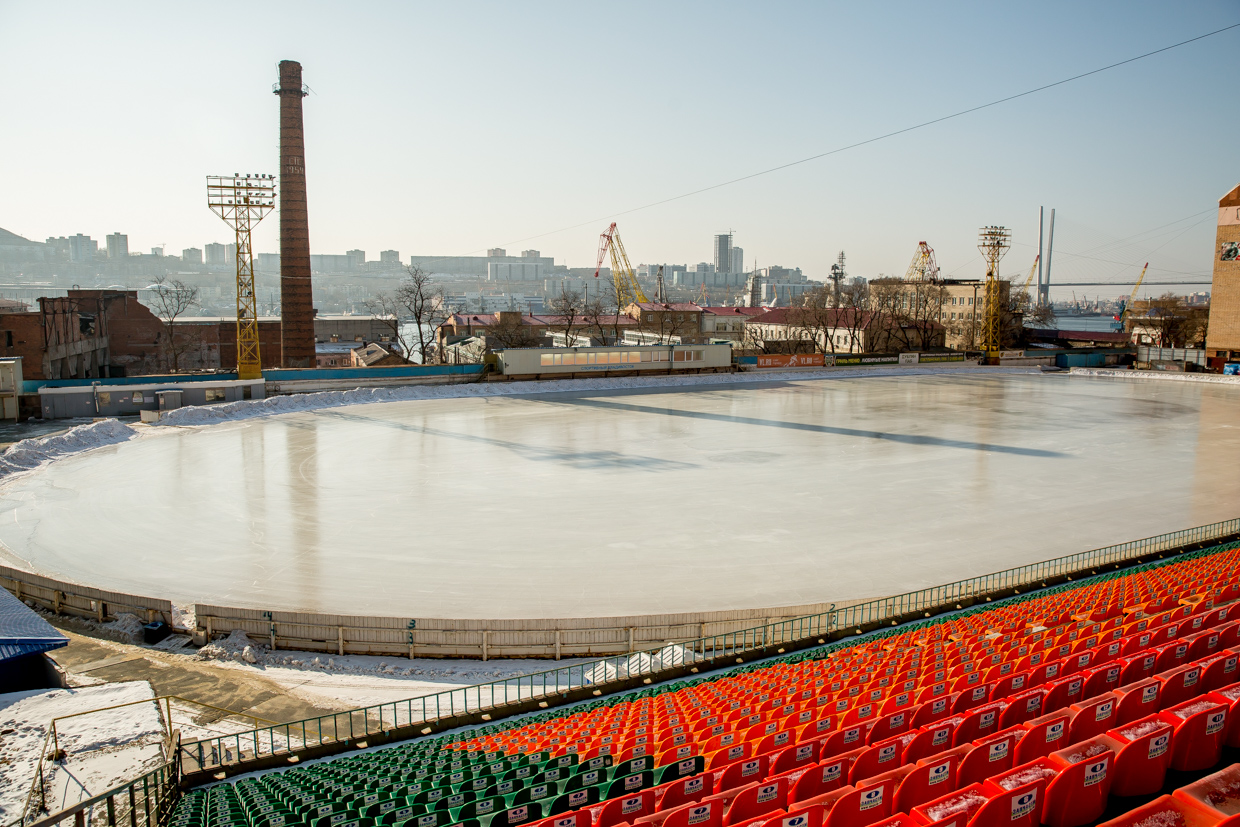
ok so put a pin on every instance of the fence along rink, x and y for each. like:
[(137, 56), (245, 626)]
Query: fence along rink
[(63, 597), (235, 751)]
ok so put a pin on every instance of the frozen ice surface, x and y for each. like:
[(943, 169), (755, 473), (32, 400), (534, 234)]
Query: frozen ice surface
[(603, 503)]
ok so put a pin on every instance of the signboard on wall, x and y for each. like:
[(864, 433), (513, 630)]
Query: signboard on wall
[(791, 360)]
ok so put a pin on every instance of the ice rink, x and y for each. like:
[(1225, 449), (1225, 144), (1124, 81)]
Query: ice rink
[(612, 503)]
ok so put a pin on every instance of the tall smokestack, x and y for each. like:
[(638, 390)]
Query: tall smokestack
[(296, 299)]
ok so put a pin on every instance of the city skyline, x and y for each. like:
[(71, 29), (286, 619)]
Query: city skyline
[(421, 151)]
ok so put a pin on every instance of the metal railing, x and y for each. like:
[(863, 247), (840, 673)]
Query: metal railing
[(237, 750), (146, 801)]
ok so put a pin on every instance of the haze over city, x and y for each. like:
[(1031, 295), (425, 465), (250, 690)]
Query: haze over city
[(451, 128)]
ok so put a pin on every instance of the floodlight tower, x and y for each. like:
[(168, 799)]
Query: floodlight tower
[(992, 243), (242, 201)]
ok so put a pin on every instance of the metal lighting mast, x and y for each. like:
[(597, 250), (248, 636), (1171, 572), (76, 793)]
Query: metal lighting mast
[(242, 201), (992, 243)]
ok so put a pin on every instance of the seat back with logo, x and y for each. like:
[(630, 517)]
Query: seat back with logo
[(1142, 761), (1137, 700), (580, 818), (1022, 707), (757, 800), (1179, 683), (740, 773), (627, 808), (684, 791), (573, 800), (1093, 716), (978, 723), (1043, 736), (807, 818), (1078, 795), (877, 758), (989, 755), (861, 807), (797, 755), (702, 814), (1219, 669), (521, 814), (1200, 727), (828, 775), (930, 778), (1017, 796), (681, 769)]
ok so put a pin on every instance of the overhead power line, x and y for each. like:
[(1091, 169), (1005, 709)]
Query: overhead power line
[(878, 138)]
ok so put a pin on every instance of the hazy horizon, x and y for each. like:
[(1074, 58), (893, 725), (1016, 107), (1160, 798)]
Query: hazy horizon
[(440, 130)]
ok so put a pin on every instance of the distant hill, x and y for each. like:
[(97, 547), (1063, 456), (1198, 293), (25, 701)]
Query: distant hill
[(8, 239)]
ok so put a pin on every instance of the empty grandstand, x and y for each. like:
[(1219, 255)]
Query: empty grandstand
[(1064, 707)]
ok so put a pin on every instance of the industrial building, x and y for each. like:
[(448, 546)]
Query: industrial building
[(1223, 335)]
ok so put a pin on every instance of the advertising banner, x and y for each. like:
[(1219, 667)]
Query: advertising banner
[(791, 360)]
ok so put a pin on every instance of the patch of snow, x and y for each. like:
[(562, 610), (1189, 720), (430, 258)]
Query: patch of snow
[(1026, 776), (1088, 752), (963, 803), (641, 663), (33, 453), (272, 405), (183, 617), (1231, 693), (102, 749), (1193, 709), (1141, 730), (1157, 375), (1223, 794), (1166, 818)]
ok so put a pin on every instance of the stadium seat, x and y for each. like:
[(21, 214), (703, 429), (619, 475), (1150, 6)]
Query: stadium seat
[(1078, 794), (1143, 757), (1199, 726)]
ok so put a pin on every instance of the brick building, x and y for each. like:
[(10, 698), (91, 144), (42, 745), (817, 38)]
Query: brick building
[(1223, 334), (66, 338)]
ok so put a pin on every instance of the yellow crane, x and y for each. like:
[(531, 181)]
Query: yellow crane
[(1123, 317), (628, 291), (1032, 271)]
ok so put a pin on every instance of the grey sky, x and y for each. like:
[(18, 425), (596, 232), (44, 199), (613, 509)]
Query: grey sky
[(447, 128)]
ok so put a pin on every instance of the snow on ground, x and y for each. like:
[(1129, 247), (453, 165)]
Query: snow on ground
[(33, 453), (365, 680), (210, 414), (102, 749), (1113, 373)]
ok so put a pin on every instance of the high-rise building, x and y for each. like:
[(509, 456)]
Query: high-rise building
[(82, 248), (391, 257), (357, 259), (158, 252), (215, 253), (723, 253), (497, 252), (191, 255), (530, 254), (118, 245), (738, 260), (1223, 333)]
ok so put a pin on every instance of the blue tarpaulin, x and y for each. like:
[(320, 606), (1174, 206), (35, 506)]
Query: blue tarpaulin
[(22, 632)]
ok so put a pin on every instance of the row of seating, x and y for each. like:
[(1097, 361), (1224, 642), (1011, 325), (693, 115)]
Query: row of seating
[(1000, 686)]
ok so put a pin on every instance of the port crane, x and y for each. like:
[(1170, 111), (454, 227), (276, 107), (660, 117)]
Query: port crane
[(1032, 272), (628, 291), (1123, 313), (923, 266)]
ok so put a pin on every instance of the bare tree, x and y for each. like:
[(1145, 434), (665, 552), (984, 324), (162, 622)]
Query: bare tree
[(412, 312), (569, 306), (172, 299), (595, 317)]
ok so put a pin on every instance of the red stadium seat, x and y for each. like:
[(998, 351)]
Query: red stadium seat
[(1143, 757), (627, 808), (1078, 795), (1022, 707), (742, 773), (1021, 792), (703, 814), (828, 775), (798, 755), (806, 818), (978, 723), (757, 800), (1215, 797), (1137, 700), (860, 807), (992, 754), (1164, 810), (1219, 669), (930, 778), (1092, 716), (1179, 684), (1044, 735), (682, 791), (1200, 726), (954, 809)]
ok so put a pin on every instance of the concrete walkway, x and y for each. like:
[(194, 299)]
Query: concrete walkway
[(171, 673)]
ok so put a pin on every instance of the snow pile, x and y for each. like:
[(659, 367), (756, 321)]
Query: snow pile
[(126, 626), (183, 617), (1224, 794), (31, 453), (641, 663), (1111, 373), (1193, 709), (1088, 752), (247, 409), (237, 646), (102, 749)]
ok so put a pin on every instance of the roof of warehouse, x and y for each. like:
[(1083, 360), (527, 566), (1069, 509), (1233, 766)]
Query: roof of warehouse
[(22, 632)]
